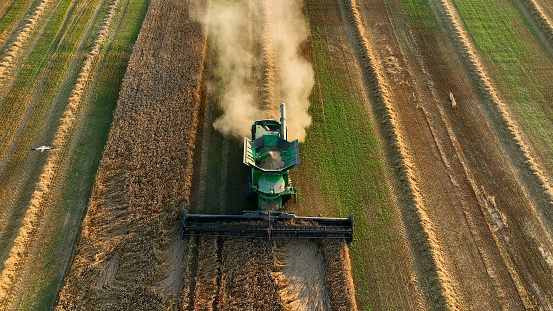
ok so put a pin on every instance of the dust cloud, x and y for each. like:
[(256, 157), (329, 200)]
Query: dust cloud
[(256, 41)]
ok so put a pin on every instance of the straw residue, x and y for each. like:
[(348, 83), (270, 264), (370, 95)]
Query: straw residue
[(541, 18), (15, 49), (303, 274), (338, 275)]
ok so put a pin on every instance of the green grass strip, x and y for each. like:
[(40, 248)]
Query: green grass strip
[(342, 154)]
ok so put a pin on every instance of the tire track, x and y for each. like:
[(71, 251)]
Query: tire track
[(540, 17), (206, 130), (5, 9), (17, 264)]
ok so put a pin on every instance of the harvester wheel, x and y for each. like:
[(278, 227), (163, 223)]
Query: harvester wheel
[(250, 194)]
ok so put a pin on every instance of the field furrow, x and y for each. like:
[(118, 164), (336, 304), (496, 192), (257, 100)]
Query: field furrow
[(10, 13)]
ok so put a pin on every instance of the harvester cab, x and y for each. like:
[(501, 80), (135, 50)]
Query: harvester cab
[(270, 156)]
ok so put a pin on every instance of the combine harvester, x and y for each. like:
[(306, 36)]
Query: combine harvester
[(270, 156)]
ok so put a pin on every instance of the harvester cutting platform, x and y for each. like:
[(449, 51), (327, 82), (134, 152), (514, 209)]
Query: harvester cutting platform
[(270, 156)]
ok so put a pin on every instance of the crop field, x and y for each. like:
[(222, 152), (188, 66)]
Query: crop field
[(430, 120)]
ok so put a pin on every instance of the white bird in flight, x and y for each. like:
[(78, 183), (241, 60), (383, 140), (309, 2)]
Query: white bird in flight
[(42, 148)]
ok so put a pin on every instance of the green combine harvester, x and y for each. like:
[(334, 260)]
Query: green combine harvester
[(270, 156)]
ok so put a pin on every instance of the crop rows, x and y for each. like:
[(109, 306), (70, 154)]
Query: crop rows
[(497, 214), (452, 201), (57, 81), (428, 263)]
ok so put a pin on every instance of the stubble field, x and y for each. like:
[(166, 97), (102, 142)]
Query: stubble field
[(452, 201)]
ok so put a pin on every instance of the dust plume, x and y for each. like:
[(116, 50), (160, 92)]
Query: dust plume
[(257, 43)]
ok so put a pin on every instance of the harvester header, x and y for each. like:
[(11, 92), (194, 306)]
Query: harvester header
[(270, 156)]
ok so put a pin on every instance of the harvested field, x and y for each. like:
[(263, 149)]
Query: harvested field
[(430, 121)]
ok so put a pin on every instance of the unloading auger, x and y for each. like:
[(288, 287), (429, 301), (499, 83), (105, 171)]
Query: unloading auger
[(270, 156)]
